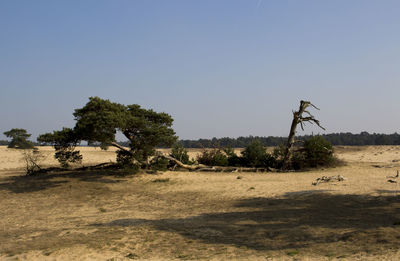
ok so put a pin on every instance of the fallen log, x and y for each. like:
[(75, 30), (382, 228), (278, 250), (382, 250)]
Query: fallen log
[(202, 167)]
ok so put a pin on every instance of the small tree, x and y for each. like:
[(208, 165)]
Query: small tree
[(19, 139), (255, 155), (64, 143)]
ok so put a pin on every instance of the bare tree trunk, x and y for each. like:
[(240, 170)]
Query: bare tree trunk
[(298, 118)]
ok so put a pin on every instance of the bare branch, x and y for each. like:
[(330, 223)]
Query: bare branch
[(315, 107), (121, 147)]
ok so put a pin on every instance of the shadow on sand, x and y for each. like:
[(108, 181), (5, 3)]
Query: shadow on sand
[(43, 181), (296, 221)]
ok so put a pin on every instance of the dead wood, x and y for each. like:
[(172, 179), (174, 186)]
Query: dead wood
[(298, 118), (202, 167), (328, 179)]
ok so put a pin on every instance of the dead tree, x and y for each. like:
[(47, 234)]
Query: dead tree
[(298, 118)]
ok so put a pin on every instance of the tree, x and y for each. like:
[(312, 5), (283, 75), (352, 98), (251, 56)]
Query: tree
[(99, 120), (64, 142), (19, 139), (298, 118)]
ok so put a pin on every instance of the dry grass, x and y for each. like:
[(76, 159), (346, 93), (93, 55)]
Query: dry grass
[(202, 216)]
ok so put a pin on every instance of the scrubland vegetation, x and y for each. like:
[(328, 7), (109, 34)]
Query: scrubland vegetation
[(139, 202)]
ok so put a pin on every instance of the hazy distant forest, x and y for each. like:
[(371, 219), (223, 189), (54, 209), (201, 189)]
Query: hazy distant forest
[(364, 138), (337, 139)]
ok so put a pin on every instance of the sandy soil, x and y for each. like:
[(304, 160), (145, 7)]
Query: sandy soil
[(202, 216)]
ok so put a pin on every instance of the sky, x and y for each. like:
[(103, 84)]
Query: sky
[(220, 68)]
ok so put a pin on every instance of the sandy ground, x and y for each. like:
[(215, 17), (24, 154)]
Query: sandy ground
[(201, 216)]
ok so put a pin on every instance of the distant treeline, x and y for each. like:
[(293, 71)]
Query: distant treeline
[(349, 139), (4, 142)]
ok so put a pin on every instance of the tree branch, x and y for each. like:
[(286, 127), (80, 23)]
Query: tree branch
[(121, 147)]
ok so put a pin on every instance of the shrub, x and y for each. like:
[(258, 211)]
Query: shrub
[(126, 161), (316, 152), (180, 153), (65, 156), (255, 155), (32, 159), (214, 157), (161, 164), (124, 158), (233, 159)]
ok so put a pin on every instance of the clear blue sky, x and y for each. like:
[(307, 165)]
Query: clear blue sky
[(219, 67)]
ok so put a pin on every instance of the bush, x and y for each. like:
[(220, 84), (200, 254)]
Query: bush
[(180, 153), (66, 156), (316, 152), (124, 158), (233, 159), (32, 159), (215, 157), (161, 164), (255, 155), (126, 161)]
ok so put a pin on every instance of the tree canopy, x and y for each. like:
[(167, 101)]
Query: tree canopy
[(19, 139), (100, 120)]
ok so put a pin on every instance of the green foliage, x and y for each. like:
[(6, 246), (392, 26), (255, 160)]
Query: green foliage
[(64, 142), (214, 157), (180, 153), (99, 120), (124, 158), (4, 142), (66, 156), (19, 139), (350, 139), (126, 161), (233, 159), (315, 152), (318, 152), (161, 164), (255, 155)]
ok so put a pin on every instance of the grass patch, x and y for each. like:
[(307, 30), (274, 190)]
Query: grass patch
[(292, 252), (102, 210)]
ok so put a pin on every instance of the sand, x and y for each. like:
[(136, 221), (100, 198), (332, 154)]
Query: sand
[(201, 216)]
